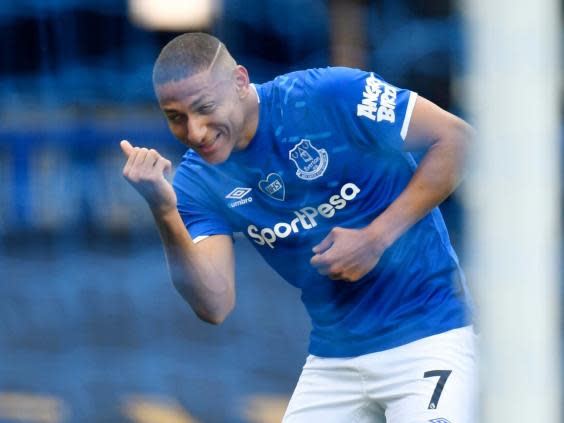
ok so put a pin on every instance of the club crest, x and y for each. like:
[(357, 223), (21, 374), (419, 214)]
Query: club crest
[(273, 186), (310, 161)]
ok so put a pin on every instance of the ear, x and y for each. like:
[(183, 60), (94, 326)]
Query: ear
[(241, 79)]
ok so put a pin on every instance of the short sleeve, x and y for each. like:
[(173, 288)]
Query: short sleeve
[(199, 211), (375, 113)]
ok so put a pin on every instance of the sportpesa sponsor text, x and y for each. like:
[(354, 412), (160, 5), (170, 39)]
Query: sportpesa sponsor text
[(305, 217)]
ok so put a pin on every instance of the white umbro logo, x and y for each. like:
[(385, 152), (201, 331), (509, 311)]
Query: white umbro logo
[(238, 193), (439, 420)]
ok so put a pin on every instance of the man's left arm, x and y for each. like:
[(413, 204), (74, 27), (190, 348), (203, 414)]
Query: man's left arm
[(446, 137), (348, 254)]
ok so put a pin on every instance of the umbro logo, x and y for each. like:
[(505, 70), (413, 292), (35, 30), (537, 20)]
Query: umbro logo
[(239, 194), (439, 420)]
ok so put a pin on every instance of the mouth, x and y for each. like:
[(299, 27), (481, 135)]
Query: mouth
[(209, 146)]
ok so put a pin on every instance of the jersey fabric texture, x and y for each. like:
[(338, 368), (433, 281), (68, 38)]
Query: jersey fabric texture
[(328, 152)]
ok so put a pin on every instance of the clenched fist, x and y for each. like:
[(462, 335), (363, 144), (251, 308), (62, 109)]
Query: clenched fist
[(145, 170), (347, 254)]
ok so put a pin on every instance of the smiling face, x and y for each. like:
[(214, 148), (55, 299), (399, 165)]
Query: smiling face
[(212, 113)]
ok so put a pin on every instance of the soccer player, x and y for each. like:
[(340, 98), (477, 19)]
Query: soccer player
[(314, 169)]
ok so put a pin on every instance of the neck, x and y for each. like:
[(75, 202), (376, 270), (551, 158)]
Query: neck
[(251, 107)]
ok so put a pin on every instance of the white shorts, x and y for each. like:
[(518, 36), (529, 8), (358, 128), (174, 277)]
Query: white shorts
[(432, 380)]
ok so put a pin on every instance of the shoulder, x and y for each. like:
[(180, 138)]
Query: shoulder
[(319, 80), (317, 86), (190, 161), (191, 170), (334, 82)]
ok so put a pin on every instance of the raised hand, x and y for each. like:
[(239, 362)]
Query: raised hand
[(347, 254), (145, 170)]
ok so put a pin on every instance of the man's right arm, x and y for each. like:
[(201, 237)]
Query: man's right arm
[(203, 273)]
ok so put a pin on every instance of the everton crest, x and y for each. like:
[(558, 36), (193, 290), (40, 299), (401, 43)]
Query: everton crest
[(310, 161)]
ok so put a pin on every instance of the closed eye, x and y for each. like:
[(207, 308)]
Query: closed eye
[(206, 108)]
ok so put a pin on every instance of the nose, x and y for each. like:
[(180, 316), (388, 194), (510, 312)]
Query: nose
[(196, 130)]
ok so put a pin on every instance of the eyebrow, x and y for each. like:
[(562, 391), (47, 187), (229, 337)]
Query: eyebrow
[(195, 104), (199, 101)]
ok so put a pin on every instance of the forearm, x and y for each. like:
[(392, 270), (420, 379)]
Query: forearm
[(208, 290), (435, 179)]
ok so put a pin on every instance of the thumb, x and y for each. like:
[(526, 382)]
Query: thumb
[(168, 167), (164, 166), (323, 245), (126, 147)]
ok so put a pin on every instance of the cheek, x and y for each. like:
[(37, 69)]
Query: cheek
[(236, 119), (178, 131), (230, 110)]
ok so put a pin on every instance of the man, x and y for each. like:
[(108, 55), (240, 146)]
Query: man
[(313, 168)]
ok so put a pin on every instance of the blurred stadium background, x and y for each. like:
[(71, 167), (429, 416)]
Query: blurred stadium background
[(91, 329)]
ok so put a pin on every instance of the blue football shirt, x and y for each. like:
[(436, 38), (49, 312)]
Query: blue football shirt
[(328, 152)]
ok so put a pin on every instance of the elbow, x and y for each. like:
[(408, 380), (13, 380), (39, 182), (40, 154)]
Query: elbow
[(455, 141), (216, 315), (463, 132), (212, 309), (212, 318)]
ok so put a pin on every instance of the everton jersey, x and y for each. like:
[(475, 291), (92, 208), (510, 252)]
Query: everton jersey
[(328, 152)]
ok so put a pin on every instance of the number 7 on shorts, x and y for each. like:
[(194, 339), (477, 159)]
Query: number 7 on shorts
[(443, 376)]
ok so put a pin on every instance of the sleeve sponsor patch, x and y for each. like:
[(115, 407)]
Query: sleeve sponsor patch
[(378, 102)]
